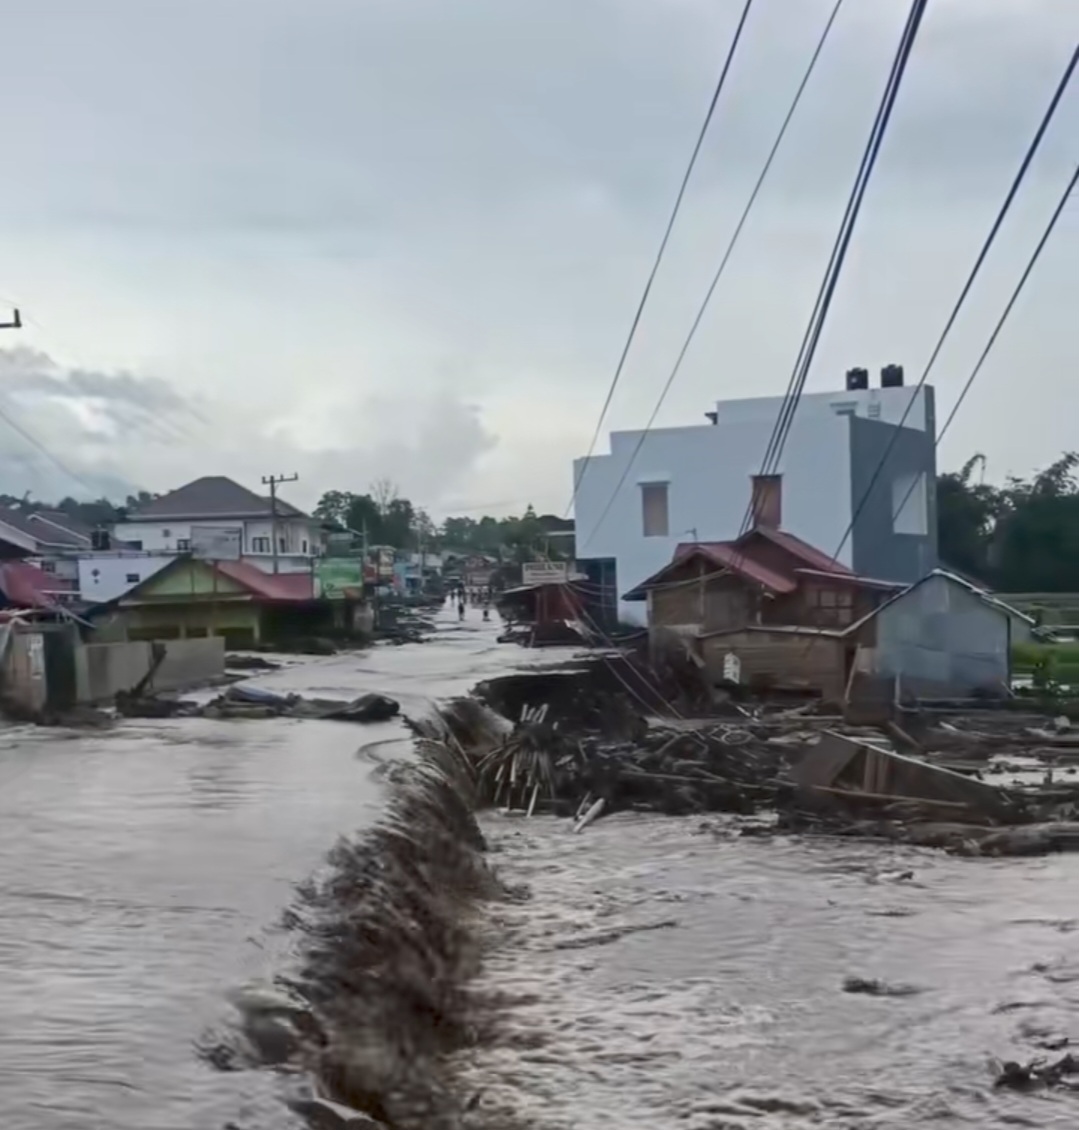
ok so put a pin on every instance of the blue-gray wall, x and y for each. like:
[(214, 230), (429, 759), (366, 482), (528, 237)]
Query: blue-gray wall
[(943, 641), (877, 550)]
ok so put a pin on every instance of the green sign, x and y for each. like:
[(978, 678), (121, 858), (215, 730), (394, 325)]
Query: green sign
[(338, 577)]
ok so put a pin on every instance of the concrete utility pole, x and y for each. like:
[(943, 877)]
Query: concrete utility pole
[(272, 482)]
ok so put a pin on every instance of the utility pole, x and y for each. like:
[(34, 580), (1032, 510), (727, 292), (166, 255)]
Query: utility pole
[(272, 482)]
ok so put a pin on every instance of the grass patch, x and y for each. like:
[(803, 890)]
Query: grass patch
[(1051, 662)]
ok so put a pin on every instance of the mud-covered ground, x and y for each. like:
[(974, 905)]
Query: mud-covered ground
[(667, 972), (143, 874)]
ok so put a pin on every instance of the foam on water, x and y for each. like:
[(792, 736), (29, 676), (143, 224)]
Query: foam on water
[(666, 972)]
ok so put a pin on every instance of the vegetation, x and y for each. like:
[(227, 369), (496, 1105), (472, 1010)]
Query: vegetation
[(1049, 666), (1022, 537)]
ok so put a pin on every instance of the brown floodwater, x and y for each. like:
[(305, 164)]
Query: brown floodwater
[(143, 874), (669, 973)]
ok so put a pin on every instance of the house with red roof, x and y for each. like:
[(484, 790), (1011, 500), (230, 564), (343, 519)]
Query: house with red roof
[(779, 605), (189, 599)]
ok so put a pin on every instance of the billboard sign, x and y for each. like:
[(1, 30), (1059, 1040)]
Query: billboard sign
[(339, 578), (544, 572), (217, 543)]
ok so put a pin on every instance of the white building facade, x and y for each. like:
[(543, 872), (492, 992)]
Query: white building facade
[(216, 505), (855, 484)]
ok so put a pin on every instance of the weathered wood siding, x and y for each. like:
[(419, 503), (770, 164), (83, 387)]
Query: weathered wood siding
[(783, 660)]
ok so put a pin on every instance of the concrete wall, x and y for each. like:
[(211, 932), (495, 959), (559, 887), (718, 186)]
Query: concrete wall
[(23, 670), (300, 537), (942, 641), (103, 669), (708, 470), (893, 500), (104, 577)]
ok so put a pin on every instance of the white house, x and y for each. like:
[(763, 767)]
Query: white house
[(175, 522), (636, 504)]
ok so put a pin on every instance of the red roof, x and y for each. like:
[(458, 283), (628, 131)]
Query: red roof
[(27, 586), (740, 560), (270, 586), (742, 556), (812, 556)]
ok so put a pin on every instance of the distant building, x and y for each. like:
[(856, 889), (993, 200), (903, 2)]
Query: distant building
[(689, 484), (173, 524)]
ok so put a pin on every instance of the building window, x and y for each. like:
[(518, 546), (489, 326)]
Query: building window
[(48, 566), (303, 546), (282, 545), (166, 533), (183, 545), (910, 505), (132, 578), (260, 545), (134, 545), (655, 521)]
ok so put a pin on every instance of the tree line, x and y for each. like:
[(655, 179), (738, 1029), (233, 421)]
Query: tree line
[(1022, 536)]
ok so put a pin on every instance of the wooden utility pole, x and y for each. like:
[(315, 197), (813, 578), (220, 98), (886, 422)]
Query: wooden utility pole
[(272, 482)]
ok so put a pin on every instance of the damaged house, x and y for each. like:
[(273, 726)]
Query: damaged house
[(782, 607), (772, 612)]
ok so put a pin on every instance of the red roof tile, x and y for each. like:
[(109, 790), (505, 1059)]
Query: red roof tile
[(270, 586)]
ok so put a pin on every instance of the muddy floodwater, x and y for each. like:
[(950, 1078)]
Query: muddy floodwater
[(668, 973), (144, 870), (664, 972)]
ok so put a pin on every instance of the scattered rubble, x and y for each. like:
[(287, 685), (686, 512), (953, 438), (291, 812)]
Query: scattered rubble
[(576, 742), (243, 701)]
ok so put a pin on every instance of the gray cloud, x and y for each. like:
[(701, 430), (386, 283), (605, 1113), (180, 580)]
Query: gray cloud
[(329, 229)]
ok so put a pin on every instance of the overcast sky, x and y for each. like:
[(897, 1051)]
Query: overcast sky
[(357, 238)]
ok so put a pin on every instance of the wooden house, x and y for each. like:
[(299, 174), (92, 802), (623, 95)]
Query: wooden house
[(782, 607)]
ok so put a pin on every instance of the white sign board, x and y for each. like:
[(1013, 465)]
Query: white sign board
[(217, 543), (732, 668), (543, 572)]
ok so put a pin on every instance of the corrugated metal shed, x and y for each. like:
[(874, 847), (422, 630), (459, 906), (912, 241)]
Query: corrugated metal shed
[(940, 638)]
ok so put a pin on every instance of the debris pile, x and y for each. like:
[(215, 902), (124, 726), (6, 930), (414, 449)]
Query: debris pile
[(987, 782), (242, 701)]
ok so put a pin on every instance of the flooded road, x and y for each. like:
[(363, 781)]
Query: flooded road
[(670, 973), (142, 874)]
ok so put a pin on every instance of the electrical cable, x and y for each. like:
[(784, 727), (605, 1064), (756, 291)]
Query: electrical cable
[(1057, 213), (1009, 199), (722, 266), (831, 278), (721, 82)]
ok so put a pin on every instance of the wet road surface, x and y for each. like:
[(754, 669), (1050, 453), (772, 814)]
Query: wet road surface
[(669, 973), (142, 874)]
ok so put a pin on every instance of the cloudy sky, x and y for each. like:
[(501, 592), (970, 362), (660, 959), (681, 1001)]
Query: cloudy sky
[(357, 238)]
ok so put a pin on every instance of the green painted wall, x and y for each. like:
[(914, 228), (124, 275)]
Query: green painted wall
[(187, 579)]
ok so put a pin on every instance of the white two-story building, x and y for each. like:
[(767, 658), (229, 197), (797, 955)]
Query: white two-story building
[(858, 481), (274, 538)]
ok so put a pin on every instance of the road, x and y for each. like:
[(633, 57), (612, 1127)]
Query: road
[(145, 869)]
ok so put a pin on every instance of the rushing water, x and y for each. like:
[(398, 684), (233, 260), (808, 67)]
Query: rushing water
[(669, 973), (144, 871)]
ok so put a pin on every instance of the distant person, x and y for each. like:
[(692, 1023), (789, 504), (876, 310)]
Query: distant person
[(460, 610), (486, 613)]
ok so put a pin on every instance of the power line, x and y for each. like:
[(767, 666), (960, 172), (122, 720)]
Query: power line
[(1057, 213), (721, 82), (815, 327), (1020, 176), (722, 266)]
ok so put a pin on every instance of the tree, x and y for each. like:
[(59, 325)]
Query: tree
[(385, 493), (966, 518), (334, 507)]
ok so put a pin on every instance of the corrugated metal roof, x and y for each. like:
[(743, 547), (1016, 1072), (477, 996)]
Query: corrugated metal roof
[(813, 557), (212, 496)]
